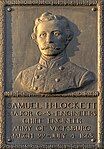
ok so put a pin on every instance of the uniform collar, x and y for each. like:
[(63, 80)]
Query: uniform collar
[(57, 61)]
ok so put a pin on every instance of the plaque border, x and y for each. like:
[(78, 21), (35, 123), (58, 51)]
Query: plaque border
[(100, 100), (73, 94), (52, 2), (97, 4)]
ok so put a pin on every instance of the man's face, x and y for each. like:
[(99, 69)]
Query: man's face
[(51, 37)]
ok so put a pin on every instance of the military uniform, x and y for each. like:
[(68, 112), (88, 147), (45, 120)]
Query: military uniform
[(57, 75)]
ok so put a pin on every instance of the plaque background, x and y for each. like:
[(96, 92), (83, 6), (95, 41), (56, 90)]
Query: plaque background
[(21, 51)]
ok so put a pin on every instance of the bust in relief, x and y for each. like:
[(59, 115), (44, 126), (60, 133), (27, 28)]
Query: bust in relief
[(54, 73)]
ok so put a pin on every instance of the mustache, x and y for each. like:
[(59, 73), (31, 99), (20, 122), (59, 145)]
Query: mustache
[(48, 46)]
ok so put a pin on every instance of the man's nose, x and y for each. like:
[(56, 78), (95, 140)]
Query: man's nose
[(49, 38)]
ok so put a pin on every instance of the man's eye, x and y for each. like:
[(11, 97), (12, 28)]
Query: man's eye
[(57, 34), (43, 35)]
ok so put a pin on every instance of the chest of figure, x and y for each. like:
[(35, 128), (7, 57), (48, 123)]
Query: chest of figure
[(52, 80)]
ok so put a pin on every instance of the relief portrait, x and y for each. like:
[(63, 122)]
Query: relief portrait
[(54, 73)]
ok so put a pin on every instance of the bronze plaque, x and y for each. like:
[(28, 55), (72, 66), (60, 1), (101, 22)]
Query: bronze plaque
[(49, 121), (51, 76)]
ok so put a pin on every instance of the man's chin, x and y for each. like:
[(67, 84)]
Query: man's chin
[(52, 53)]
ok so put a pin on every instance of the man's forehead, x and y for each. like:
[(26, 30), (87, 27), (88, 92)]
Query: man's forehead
[(50, 25)]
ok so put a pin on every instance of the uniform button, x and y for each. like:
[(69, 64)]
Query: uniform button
[(39, 67), (53, 90), (57, 80), (61, 68), (36, 77), (35, 88)]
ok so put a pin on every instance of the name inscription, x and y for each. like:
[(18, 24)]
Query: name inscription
[(49, 120)]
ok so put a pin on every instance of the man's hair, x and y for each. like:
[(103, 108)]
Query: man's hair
[(47, 16)]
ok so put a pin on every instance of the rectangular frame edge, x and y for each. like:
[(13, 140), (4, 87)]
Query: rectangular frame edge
[(2, 49), (52, 2)]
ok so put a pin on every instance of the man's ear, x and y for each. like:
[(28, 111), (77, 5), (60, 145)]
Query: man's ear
[(33, 36), (70, 36)]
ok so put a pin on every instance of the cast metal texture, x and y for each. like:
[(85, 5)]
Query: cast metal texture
[(2, 48), (100, 6), (101, 73), (74, 94), (52, 75), (52, 2)]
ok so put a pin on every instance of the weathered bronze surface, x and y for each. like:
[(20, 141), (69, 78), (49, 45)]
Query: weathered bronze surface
[(51, 91), (51, 121), (54, 72)]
